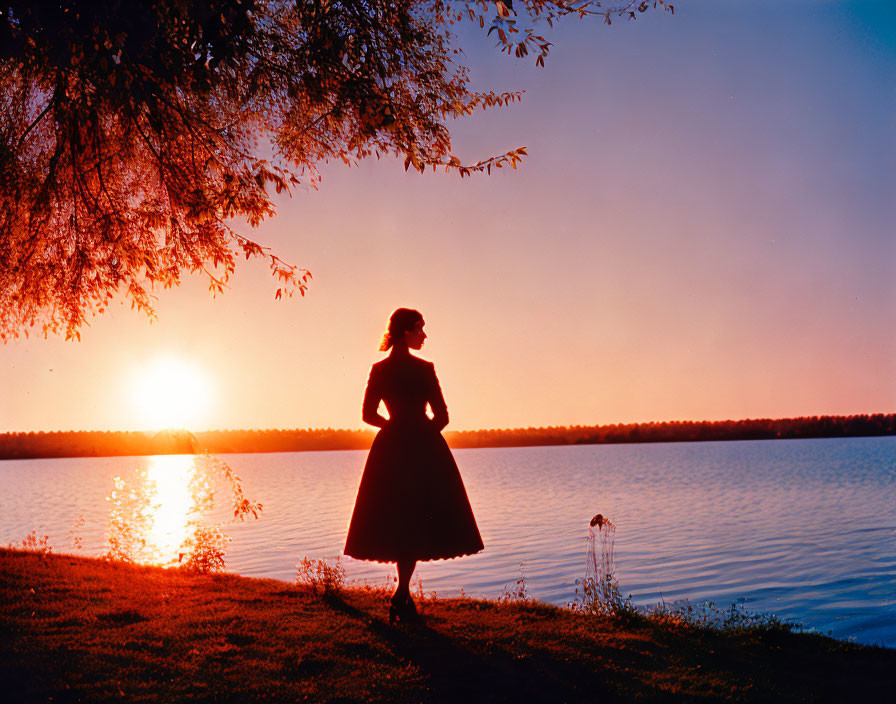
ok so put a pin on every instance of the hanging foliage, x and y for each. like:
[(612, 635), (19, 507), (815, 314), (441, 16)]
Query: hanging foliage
[(134, 134)]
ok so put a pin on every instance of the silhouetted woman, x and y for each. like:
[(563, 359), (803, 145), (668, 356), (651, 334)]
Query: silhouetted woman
[(411, 503)]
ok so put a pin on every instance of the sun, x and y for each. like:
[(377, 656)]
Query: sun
[(170, 393)]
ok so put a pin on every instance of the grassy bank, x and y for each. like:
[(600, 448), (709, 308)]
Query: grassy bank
[(78, 629)]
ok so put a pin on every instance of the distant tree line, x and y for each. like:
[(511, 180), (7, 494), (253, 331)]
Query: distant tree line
[(681, 431), (169, 442), (221, 441), (72, 443), (100, 444)]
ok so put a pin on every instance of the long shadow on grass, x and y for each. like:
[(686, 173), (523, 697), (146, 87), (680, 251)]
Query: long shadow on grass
[(457, 674)]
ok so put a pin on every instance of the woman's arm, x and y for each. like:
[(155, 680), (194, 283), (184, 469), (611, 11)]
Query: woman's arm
[(370, 408), (437, 402)]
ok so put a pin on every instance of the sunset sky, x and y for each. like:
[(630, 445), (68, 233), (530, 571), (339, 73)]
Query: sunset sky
[(704, 229)]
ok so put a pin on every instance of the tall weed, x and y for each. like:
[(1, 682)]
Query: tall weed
[(518, 593), (599, 594)]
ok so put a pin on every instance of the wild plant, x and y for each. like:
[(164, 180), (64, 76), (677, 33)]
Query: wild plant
[(204, 549), (321, 575), (202, 485), (74, 534), (707, 615), (37, 543), (385, 587), (130, 518), (517, 593), (422, 595), (598, 593)]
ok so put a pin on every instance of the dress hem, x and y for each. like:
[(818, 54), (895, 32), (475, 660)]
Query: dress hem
[(389, 560)]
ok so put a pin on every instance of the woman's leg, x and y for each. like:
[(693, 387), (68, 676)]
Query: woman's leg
[(405, 570)]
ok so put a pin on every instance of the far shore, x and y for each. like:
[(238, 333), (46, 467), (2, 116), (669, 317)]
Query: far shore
[(82, 629), (58, 444)]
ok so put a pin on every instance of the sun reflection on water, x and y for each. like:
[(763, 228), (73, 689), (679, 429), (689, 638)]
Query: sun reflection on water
[(171, 506), (151, 513), (160, 515)]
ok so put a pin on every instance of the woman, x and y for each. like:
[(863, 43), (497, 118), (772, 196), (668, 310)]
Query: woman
[(411, 503)]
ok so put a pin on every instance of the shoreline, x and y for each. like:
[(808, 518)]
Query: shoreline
[(75, 628)]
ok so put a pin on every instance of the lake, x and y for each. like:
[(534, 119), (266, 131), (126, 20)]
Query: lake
[(804, 529)]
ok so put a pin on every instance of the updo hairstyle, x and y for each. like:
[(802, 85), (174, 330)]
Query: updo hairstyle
[(401, 321)]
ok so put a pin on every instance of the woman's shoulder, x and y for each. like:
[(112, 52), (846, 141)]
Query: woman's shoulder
[(404, 364), (424, 364), (379, 370), (404, 360)]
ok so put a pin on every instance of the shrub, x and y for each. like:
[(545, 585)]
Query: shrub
[(37, 543), (204, 549), (321, 575)]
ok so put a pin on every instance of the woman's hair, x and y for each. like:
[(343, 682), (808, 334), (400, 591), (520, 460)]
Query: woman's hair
[(401, 321)]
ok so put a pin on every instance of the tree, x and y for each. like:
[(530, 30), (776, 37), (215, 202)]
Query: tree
[(133, 133)]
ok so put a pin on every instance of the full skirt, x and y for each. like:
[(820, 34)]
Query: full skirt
[(411, 503)]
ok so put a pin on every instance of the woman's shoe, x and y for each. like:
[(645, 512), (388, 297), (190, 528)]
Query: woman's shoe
[(409, 611), (395, 606), (402, 610), (393, 615)]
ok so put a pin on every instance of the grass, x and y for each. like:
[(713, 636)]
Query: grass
[(82, 629)]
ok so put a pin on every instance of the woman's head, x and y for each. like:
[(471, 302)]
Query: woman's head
[(404, 320)]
